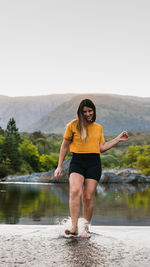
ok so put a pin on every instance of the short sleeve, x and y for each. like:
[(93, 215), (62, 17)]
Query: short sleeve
[(68, 133), (102, 139)]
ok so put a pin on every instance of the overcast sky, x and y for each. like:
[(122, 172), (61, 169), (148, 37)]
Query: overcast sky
[(75, 46)]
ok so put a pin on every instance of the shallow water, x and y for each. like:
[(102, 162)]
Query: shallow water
[(48, 204)]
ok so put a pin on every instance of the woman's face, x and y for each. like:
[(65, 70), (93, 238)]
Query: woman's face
[(88, 113)]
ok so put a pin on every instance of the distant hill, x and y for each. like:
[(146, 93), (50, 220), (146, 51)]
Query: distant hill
[(27, 110), (114, 112)]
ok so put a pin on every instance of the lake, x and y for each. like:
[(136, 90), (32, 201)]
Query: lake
[(48, 204)]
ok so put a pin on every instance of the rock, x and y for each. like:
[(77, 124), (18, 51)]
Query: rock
[(42, 177), (64, 173), (127, 172), (122, 176)]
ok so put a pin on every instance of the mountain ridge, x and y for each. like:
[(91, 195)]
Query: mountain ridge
[(114, 112), (26, 110)]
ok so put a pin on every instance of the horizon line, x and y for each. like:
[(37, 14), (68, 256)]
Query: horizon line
[(123, 95)]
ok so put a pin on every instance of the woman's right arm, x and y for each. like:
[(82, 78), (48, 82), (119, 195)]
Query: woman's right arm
[(63, 151)]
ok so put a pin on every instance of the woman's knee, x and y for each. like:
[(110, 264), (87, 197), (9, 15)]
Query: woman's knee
[(88, 197), (75, 192)]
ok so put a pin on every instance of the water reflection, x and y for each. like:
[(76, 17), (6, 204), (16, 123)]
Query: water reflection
[(32, 202), (122, 205), (48, 204)]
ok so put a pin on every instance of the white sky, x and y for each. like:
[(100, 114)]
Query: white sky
[(74, 46)]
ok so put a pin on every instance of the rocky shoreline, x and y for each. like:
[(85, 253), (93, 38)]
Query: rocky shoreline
[(124, 176)]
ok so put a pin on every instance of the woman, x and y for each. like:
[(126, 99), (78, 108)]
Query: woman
[(86, 141)]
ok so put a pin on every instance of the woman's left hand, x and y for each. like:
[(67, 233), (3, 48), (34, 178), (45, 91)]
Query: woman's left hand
[(123, 136)]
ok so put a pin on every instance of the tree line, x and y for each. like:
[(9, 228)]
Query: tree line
[(25, 153)]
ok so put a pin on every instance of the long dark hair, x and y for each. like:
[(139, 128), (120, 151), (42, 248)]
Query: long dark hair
[(82, 122)]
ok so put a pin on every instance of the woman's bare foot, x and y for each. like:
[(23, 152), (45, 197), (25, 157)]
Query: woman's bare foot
[(71, 232), (87, 227), (85, 234)]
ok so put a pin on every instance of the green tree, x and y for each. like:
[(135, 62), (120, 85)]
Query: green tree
[(11, 145), (4, 164), (138, 156), (130, 158), (29, 153), (143, 163), (2, 132), (2, 139), (36, 135), (47, 162), (43, 146), (109, 161)]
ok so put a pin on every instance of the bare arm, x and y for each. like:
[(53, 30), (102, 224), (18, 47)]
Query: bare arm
[(63, 151), (120, 138)]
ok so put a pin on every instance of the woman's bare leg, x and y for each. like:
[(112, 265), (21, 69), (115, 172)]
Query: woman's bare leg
[(88, 198), (76, 182)]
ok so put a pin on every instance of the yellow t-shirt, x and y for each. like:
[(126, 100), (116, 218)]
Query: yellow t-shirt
[(91, 145)]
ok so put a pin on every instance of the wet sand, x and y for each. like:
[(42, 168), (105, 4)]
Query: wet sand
[(40, 246)]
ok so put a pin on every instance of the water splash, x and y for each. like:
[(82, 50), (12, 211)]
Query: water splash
[(83, 226)]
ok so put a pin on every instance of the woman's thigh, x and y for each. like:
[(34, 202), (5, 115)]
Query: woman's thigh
[(76, 182)]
